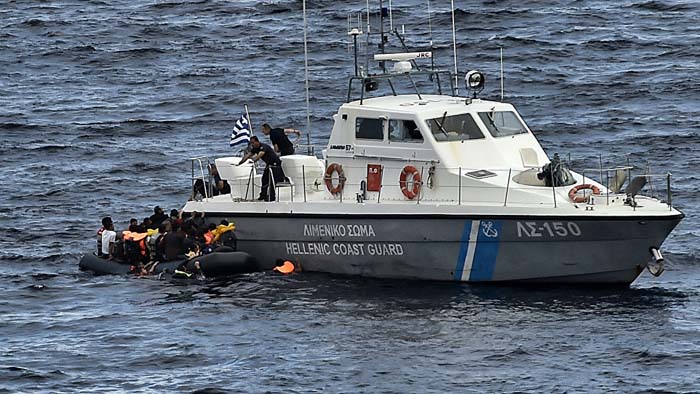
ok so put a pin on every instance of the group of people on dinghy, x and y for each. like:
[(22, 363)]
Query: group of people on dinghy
[(162, 238), (186, 247)]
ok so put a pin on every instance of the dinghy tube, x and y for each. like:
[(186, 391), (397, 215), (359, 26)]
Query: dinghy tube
[(212, 265)]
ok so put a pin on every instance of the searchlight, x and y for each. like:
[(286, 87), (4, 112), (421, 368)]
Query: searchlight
[(475, 81)]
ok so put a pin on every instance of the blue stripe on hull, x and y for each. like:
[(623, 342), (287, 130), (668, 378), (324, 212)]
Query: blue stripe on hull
[(459, 267), (486, 251)]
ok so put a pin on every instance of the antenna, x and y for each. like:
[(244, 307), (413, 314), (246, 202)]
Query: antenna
[(354, 32), (501, 74), (430, 24), (381, 35), (368, 27), (430, 31), (391, 18), (454, 46), (306, 82)]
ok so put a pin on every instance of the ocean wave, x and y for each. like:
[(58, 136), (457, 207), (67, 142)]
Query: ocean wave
[(45, 147), (21, 374), (15, 126), (45, 23), (620, 44), (140, 51), (655, 5)]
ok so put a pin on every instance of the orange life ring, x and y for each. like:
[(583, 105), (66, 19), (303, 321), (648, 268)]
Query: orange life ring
[(574, 190), (403, 182), (335, 168)]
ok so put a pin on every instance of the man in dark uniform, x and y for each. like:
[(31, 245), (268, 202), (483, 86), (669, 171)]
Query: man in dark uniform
[(273, 164), (278, 137)]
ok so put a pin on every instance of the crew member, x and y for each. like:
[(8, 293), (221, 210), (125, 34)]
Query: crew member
[(279, 139), (273, 164)]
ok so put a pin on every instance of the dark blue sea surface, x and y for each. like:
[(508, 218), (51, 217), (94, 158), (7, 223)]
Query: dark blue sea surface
[(103, 102)]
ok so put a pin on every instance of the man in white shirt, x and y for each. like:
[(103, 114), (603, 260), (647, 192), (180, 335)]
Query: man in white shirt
[(109, 236)]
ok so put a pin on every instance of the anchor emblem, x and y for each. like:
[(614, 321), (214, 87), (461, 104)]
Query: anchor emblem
[(488, 230)]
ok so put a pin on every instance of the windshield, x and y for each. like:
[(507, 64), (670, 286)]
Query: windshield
[(455, 128), (502, 123)]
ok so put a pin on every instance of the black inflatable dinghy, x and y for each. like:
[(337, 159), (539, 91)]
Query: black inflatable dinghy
[(212, 264)]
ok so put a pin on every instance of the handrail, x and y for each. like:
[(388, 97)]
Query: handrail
[(471, 188), (206, 185)]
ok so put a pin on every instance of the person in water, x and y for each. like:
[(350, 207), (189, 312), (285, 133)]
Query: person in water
[(273, 164), (279, 139)]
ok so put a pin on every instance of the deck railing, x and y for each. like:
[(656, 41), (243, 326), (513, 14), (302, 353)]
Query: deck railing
[(461, 190)]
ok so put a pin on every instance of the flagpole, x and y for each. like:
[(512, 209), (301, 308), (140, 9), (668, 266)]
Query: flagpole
[(248, 116)]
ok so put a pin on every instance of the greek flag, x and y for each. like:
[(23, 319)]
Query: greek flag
[(241, 132)]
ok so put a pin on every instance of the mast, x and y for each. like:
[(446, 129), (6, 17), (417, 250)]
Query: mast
[(454, 47), (306, 82), (381, 33)]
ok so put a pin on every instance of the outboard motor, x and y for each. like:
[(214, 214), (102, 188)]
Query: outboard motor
[(555, 173), (656, 267)]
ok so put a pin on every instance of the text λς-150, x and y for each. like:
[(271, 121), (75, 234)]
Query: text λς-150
[(548, 229)]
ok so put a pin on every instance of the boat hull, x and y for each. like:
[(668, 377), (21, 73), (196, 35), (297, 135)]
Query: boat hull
[(548, 250)]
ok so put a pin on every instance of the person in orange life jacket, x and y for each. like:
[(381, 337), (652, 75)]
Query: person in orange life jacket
[(273, 164), (278, 137), (106, 221), (200, 236), (209, 235), (109, 237), (136, 251)]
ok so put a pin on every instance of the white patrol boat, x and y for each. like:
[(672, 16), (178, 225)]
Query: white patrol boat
[(442, 187)]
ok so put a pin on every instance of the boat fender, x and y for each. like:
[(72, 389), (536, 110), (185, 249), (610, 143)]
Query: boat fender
[(334, 168), (403, 182), (586, 186)]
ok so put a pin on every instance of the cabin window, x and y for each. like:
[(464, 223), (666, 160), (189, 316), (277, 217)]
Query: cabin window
[(404, 131), (455, 128), (369, 129), (502, 123)]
